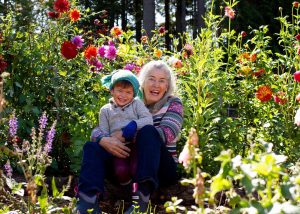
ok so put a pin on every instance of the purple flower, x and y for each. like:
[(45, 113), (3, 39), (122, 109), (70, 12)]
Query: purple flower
[(111, 53), (43, 121), (129, 66), (13, 125), (78, 41), (8, 169), (49, 138), (101, 50)]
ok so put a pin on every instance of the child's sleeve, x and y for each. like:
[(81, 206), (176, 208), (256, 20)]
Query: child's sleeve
[(103, 129)]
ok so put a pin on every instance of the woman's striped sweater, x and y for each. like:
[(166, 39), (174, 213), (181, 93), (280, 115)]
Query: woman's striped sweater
[(168, 122)]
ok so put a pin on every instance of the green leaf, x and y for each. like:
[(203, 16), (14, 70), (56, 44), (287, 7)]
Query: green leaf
[(43, 199), (55, 192), (63, 73)]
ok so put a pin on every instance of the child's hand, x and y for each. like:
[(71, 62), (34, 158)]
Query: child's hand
[(118, 135)]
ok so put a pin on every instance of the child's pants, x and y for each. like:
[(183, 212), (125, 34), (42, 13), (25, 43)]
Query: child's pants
[(125, 168)]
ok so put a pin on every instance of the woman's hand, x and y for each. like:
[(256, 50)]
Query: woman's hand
[(118, 135), (115, 147)]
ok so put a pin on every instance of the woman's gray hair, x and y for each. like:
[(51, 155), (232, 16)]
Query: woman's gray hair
[(146, 71)]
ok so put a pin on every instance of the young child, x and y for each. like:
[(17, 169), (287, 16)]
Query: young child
[(126, 113)]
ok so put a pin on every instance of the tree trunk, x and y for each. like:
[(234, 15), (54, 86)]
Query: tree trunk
[(123, 14), (167, 24), (149, 16), (180, 18), (199, 11), (138, 19)]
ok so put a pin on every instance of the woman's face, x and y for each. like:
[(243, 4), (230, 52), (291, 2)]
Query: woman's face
[(155, 86)]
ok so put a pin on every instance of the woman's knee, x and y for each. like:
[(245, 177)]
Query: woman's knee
[(148, 130), (90, 145), (148, 134)]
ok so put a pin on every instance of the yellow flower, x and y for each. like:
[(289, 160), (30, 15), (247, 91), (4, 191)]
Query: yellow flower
[(245, 70), (157, 53), (122, 50), (140, 61)]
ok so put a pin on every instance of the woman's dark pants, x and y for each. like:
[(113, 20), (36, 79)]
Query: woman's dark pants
[(154, 164)]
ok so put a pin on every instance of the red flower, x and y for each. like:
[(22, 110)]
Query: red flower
[(162, 30), (3, 66), (296, 4), (90, 52), (53, 15), (74, 15), (297, 37), (243, 34), (297, 76), (259, 72), (116, 31), (62, 6), (68, 50), (264, 93), (280, 98)]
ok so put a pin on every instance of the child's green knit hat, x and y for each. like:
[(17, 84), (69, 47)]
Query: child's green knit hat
[(110, 80)]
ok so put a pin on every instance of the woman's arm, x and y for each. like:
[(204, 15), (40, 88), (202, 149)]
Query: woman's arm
[(170, 124)]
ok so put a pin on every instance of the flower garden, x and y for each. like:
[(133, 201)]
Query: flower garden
[(240, 144)]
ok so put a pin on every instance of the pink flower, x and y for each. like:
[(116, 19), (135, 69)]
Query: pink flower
[(98, 65), (229, 12), (297, 117), (298, 97), (296, 4), (111, 43), (111, 53), (78, 41), (297, 76), (185, 156)]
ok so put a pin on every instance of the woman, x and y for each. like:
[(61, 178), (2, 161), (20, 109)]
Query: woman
[(156, 145)]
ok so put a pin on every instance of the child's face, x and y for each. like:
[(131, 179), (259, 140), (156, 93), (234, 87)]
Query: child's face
[(122, 95)]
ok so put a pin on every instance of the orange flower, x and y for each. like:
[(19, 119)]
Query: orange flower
[(177, 63), (116, 31), (144, 39), (243, 57), (253, 57), (74, 15), (157, 53), (90, 52), (264, 93)]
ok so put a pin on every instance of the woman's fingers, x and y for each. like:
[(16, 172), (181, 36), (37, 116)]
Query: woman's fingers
[(119, 149)]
